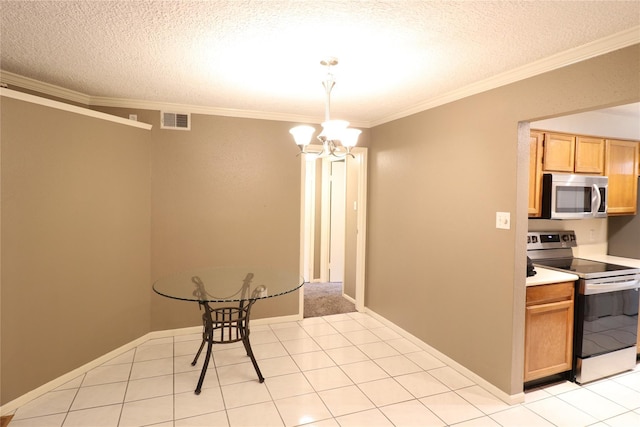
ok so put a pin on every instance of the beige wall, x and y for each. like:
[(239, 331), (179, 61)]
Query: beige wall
[(436, 264), (227, 192), (75, 241)]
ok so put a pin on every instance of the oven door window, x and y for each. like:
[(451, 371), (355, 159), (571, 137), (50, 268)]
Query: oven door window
[(610, 322)]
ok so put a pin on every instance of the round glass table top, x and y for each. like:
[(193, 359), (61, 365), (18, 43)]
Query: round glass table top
[(228, 284)]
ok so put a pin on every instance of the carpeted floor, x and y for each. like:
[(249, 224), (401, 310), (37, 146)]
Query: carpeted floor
[(321, 299)]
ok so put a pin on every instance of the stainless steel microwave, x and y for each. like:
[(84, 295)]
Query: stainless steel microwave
[(569, 196)]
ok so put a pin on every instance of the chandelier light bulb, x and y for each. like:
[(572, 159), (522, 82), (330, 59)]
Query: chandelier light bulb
[(349, 137), (302, 134), (332, 129)]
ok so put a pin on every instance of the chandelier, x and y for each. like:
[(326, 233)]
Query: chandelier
[(337, 137)]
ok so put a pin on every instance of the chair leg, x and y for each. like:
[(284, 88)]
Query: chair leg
[(247, 346), (195, 360), (204, 368), (207, 336), (204, 339)]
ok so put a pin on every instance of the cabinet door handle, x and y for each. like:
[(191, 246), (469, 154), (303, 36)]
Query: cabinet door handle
[(550, 306)]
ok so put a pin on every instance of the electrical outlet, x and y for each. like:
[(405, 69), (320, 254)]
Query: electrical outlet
[(503, 220)]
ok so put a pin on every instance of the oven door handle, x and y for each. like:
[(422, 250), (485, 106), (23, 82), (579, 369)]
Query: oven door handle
[(601, 288)]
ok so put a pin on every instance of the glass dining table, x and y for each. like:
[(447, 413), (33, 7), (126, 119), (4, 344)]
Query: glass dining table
[(238, 288)]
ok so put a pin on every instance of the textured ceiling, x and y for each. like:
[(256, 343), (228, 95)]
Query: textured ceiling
[(263, 56)]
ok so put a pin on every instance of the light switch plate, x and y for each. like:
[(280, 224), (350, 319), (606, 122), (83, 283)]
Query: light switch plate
[(503, 220)]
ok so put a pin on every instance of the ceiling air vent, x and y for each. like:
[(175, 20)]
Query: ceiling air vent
[(181, 121)]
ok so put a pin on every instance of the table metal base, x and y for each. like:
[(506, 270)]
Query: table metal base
[(225, 325)]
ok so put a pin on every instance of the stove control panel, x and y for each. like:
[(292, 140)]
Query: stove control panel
[(551, 239)]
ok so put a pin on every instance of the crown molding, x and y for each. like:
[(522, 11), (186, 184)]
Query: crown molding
[(199, 109), (21, 96), (27, 83), (590, 50), (599, 47), (9, 78), (213, 111)]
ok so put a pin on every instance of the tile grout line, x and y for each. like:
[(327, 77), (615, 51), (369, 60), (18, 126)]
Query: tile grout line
[(124, 396), (550, 396)]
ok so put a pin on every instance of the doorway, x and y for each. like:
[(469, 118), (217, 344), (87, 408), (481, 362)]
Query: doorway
[(337, 220), (333, 225)]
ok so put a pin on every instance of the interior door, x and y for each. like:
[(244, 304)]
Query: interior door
[(337, 222)]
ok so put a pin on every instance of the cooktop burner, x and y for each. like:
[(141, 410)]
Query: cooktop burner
[(553, 249), (582, 266)]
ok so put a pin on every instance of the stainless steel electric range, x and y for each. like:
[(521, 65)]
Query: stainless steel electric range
[(606, 311)]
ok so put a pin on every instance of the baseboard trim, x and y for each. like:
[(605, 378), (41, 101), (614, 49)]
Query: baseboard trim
[(279, 319), (348, 298), (507, 398), (13, 405), (65, 378)]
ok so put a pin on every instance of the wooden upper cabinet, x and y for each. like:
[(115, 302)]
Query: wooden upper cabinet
[(573, 154), (621, 166), (535, 173), (559, 152), (589, 155)]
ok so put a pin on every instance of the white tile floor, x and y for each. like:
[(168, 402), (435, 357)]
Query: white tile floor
[(342, 370)]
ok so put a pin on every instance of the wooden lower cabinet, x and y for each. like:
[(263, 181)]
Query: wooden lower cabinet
[(548, 342)]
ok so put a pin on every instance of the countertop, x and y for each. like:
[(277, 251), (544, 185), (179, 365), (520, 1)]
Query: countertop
[(545, 276)]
